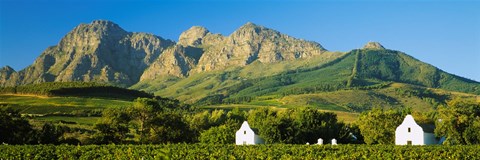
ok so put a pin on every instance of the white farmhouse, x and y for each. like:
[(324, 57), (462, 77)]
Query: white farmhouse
[(410, 133), (245, 135)]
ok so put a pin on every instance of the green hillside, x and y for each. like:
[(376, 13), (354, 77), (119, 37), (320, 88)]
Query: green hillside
[(388, 65), (354, 81), (232, 80), (347, 103)]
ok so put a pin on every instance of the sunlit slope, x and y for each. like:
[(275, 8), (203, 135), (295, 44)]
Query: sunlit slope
[(364, 69)]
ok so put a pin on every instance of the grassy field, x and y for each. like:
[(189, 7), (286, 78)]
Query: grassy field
[(75, 112), (31, 104)]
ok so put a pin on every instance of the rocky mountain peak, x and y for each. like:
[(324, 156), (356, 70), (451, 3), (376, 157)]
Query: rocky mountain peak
[(87, 37), (100, 28), (249, 27), (8, 76), (253, 33), (373, 45), (104, 23), (7, 69), (193, 36)]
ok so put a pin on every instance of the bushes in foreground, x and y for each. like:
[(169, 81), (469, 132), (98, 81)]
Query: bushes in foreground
[(211, 151)]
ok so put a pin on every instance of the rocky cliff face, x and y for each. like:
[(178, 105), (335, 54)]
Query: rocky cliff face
[(100, 51), (103, 52), (8, 76), (198, 50), (251, 43), (193, 36), (175, 61)]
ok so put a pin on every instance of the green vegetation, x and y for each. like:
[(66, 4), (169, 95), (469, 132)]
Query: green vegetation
[(389, 65), (299, 126), (83, 121), (348, 103), (378, 126), (75, 106), (356, 97), (361, 69), (287, 103), (212, 151), (76, 89), (161, 120), (14, 128), (353, 82), (459, 122)]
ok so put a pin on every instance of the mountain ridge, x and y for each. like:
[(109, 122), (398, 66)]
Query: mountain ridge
[(102, 51)]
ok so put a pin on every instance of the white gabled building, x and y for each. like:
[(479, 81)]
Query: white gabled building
[(410, 133), (245, 136)]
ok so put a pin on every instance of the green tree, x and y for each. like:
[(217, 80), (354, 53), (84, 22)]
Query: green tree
[(256, 117), (459, 122), (237, 115), (297, 125), (223, 134), (143, 111), (14, 129), (49, 134), (199, 121), (169, 128), (204, 120), (378, 125), (312, 124), (113, 127), (278, 130)]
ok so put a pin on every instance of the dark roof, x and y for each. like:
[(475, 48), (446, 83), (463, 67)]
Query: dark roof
[(428, 128), (255, 130)]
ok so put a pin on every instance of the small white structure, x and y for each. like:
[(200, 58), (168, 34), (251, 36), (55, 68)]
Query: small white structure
[(334, 141), (320, 141), (245, 136), (410, 133)]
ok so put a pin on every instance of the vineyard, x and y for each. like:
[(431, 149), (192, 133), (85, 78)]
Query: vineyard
[(208, 151)]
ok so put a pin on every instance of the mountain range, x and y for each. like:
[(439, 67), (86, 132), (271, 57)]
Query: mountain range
[(253, 61)]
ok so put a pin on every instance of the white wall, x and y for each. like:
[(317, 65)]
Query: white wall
[(402, 136), (245, 135)]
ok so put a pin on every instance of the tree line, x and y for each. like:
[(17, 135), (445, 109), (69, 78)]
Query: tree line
[(148, 122), (78, 89), (162, 120)]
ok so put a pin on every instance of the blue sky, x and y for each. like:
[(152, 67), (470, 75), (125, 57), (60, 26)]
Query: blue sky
[(445, 34)]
